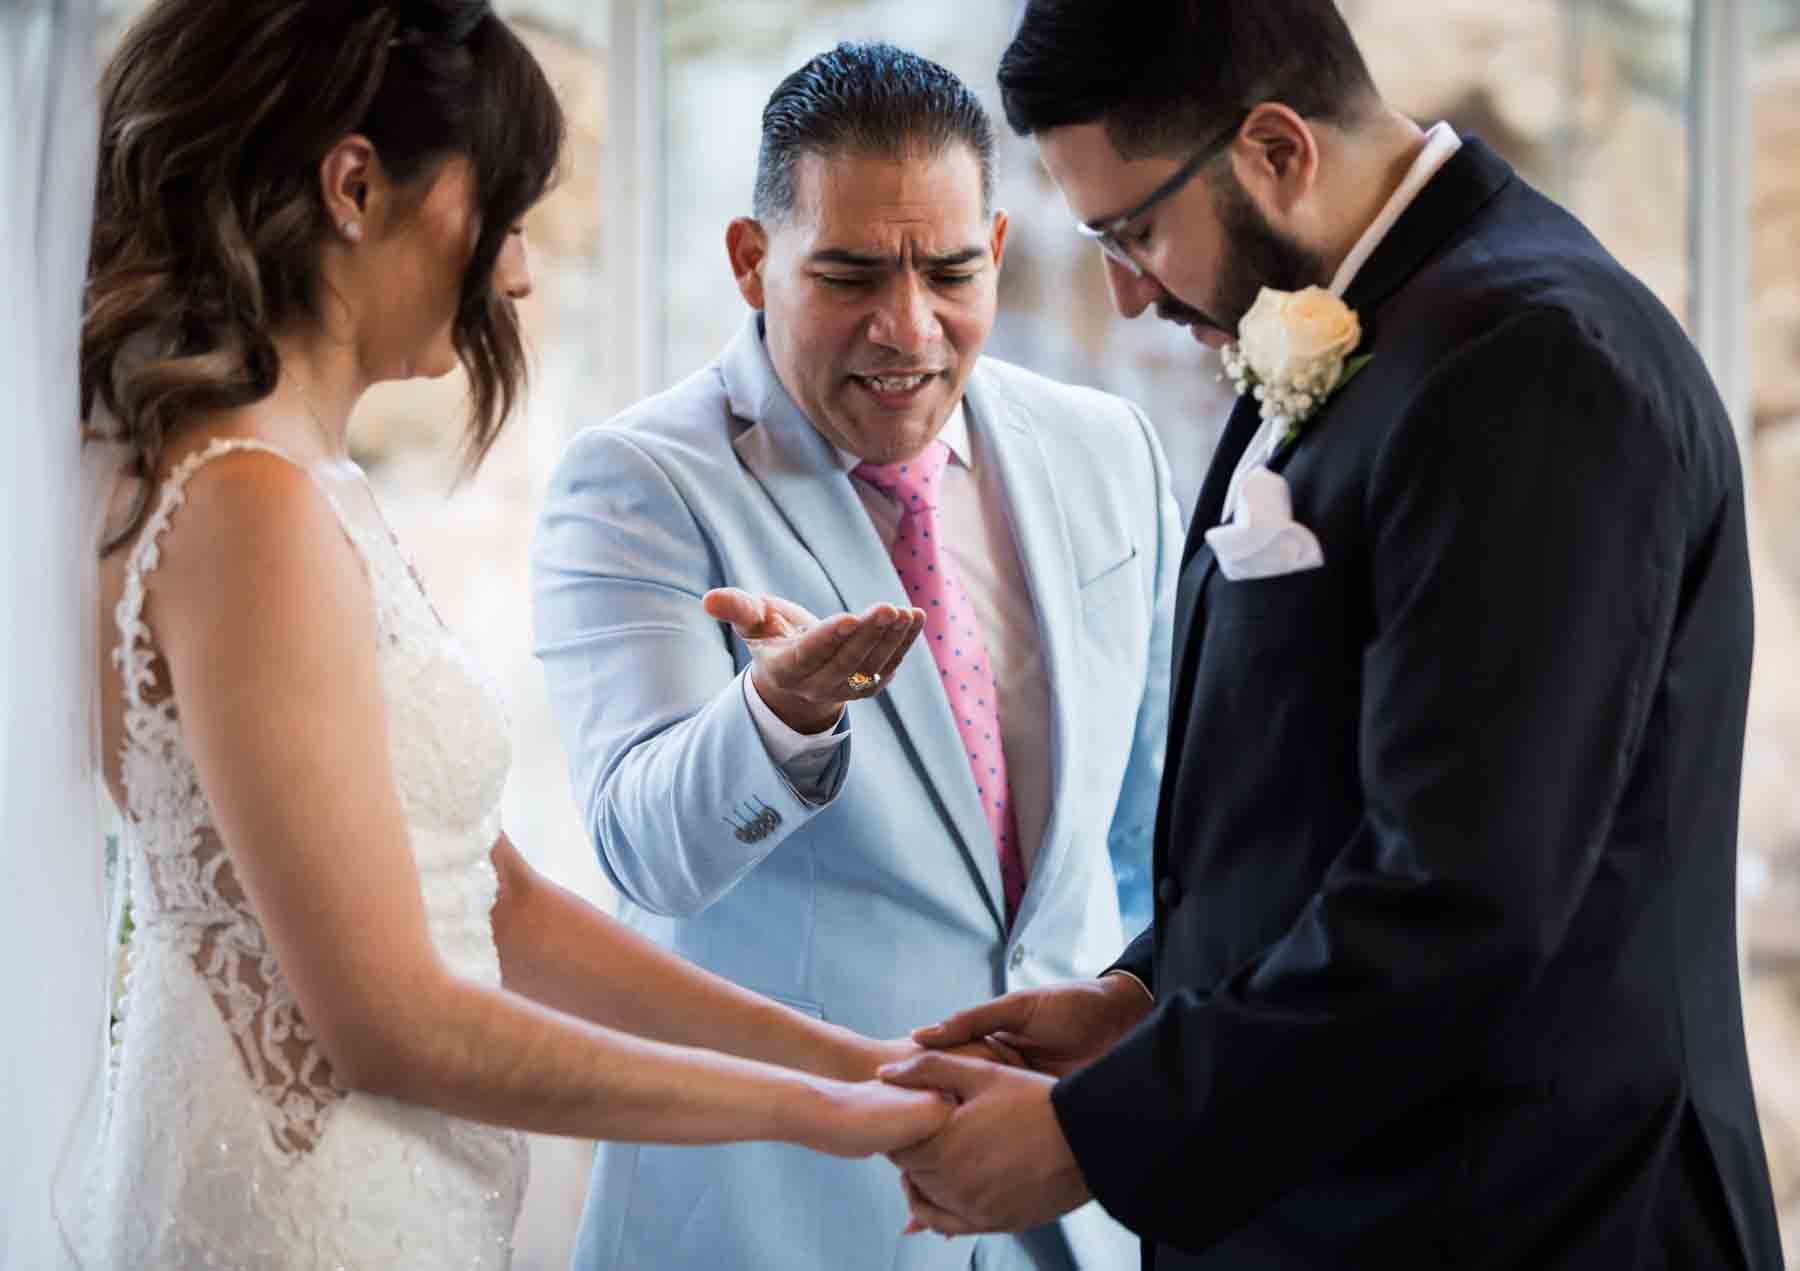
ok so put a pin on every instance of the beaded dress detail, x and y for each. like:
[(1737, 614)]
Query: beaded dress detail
[(227, 1142)]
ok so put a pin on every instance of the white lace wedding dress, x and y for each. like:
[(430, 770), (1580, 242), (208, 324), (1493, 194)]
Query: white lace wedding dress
[(227, 1142)]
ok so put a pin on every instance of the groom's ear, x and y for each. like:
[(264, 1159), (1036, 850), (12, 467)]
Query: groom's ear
[(1276, 156), (747, 244)]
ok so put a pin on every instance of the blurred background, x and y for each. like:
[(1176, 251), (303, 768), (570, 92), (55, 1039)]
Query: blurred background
[(1671, 126)]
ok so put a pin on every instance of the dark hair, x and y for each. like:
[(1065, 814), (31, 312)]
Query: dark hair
[(866, 99), (1175, 73), (215, 117)]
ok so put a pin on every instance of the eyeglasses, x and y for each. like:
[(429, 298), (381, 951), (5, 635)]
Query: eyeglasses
[(1107, 233)]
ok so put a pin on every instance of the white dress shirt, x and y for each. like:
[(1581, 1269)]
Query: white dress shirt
[(977, 535), (1440, 143)]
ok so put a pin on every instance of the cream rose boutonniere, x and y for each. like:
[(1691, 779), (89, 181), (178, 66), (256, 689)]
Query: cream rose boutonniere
[(1294, 350)]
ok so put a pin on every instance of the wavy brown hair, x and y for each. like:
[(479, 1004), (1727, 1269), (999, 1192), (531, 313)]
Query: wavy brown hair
[(215, 118)]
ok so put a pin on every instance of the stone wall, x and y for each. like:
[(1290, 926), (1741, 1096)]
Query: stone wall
[(1591, 110), (1775, 242)]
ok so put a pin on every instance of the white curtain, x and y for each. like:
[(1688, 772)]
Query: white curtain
[(53, 945)]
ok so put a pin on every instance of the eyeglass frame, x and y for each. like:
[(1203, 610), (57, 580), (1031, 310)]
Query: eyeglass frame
[(1105, 234)]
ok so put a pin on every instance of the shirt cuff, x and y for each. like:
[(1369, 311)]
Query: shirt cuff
[(784, 744), (1129, 976)]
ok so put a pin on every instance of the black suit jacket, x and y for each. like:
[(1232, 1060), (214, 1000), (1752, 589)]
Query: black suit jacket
[(1444, 951)]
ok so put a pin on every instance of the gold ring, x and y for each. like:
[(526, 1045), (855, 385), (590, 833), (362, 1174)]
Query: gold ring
[(863, 682)]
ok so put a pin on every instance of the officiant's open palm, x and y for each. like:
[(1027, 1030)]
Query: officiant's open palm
[(1055, 1030), (806, 669)]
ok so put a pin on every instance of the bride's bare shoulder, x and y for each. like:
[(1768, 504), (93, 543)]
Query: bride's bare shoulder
[(251, 534)]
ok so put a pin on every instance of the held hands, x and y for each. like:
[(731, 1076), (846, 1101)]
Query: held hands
[(806, 669), (853, 1113), (856, 1119), (1001, 1163)]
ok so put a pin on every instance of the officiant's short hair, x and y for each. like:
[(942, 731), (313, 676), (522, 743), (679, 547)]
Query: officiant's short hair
[(867, 99), (1168, 75)]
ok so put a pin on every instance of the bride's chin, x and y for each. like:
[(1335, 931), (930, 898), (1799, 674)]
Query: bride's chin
[(433, 367)]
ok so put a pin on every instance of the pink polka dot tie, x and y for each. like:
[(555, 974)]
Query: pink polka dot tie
[(957, 646)]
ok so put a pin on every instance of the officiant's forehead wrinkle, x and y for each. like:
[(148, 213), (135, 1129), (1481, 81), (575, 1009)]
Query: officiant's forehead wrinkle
[(851, 259), (866, 213)]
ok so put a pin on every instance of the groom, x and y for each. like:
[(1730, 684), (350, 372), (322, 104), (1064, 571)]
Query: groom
[(1443, 967)]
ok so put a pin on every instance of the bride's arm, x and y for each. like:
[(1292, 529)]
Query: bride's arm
[(559, 950), (263, 615)]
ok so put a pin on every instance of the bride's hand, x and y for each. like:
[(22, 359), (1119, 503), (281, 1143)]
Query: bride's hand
[(871, 1118)]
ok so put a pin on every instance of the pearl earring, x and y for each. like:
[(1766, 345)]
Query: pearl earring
[(352, 230)]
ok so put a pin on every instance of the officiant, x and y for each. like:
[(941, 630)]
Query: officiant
[(858, 641)]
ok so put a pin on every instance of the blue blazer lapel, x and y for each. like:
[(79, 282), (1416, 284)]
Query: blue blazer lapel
[(1041, 534), (804, 478)]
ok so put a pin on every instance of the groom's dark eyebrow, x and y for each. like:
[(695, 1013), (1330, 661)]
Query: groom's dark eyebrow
[(861, 260)]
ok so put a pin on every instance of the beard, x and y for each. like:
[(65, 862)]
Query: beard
[(1257, 255)]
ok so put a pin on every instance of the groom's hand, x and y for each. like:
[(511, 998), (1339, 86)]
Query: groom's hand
[(871, 1056), (1055, 1030), (1000, 1163), (806, 669)]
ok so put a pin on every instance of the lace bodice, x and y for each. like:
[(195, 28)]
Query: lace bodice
[(199, 949)]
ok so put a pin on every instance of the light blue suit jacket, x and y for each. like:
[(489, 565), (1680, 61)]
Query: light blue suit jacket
[(881, 909)]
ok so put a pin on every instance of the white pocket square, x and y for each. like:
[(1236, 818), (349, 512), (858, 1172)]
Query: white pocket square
[(1263, 539)]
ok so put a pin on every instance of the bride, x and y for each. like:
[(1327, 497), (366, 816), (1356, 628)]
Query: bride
[(348, 991)]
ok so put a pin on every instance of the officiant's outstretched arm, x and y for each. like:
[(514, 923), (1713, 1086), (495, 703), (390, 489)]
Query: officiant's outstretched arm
[(1443, 960), (876, 841)]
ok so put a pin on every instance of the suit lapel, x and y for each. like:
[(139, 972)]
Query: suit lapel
[(1197, 562), (1197, 565), (1040, 533), (805, 479)]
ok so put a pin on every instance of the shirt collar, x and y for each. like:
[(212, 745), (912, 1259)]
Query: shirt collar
[(1440, 143), (955, 435)]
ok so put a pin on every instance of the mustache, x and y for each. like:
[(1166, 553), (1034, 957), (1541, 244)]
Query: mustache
[(1170, 309)]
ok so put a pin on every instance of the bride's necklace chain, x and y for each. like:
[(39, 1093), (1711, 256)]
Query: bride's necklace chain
[(335, 466), (313, 411), (337, 459)]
